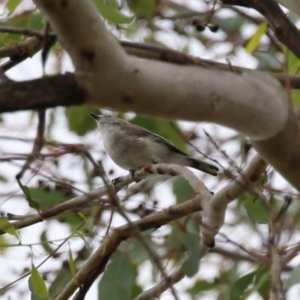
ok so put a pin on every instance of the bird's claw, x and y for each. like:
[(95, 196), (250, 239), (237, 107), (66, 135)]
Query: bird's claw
[(131, 171), (116, 181)]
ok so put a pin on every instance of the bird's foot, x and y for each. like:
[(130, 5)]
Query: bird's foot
[(132, 171), (117, 181)]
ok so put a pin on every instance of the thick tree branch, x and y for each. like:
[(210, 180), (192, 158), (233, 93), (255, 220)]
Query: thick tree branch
[(60, 90), (283, 151), (23, 49), (65, 91)]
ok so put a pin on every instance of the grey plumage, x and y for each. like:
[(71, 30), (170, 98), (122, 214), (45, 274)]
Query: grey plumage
[(131, 146)]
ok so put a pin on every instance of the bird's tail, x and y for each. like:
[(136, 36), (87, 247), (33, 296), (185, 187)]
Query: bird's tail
[(203, 166)]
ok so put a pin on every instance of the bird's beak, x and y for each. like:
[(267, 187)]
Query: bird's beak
[(96, 117)]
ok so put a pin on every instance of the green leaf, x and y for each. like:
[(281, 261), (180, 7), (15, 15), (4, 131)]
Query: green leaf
[(45, 243), (295, 97), (4, 245), (240, 286), (191, 264), (136, 290), (182, 189), (111, 13), (192, 223), (171, 244), (293, 62), (47, 195), (261, 181), (87, 245), (136, 250), (118, 279), (38, 283), (46, 198), (36, 21), (34, 296), (267, 61), (231, 24), (261, 282), (256, 38), (32, 203), (294, 277), (79, 119), (142, 8), (256, 211), (63, 276), (72, 265), (74, 220), (201, 286), (82, 216), (11, 5), (7, 227)]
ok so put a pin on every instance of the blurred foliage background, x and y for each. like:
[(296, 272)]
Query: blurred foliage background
[(50, 252)]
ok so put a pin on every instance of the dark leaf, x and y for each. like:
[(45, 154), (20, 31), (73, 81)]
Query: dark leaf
[(7, 227), (241, 285), (79, 119), (32, 203), (182, 189), (118, 279), (256, 211), (191, 264)]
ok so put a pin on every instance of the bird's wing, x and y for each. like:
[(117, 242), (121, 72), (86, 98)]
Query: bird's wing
[(159, 139)]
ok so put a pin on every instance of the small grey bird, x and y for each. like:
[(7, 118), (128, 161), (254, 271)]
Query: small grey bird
[(131, 146)]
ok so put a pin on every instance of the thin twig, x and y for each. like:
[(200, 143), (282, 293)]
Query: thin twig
[(38, 143)]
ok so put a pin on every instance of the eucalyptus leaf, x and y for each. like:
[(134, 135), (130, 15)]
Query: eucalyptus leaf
[(241, 285), (118, 279), (191, 265), (256, 211), (32, 203), (79, 119), (38, 283), (256, 38), (111, 13)]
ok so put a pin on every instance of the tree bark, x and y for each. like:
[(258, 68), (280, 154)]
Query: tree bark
[(60, 90)]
